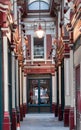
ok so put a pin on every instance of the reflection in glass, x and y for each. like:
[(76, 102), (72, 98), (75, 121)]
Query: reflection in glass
[(39, 92), (44, 98)]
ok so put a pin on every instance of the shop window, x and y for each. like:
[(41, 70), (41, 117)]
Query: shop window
[(39, 92)]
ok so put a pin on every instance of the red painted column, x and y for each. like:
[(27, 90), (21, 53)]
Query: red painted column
[(14, 119), (66, 116), (53, 108), (24, 109), (56, 110), (60, 116), (6, 121), (71, 118), (21, 112)]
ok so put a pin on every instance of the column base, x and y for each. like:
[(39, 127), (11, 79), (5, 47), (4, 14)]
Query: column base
[(6, 121), (18, 115), (53, 108), (66, 116), (14, 119), (24, 109), (21, 112), (56, 110), (71, 118), (60, 114)]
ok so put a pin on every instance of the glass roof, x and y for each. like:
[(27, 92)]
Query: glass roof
[(30, 1), (34, 4)]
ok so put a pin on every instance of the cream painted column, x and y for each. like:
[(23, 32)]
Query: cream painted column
[(19, 20), (72, 98), (67, 81), (60, 116), (17, 92), (15, 11), (55, 88), (17, 84), (24, 94), (13, 80), (54, 92), (71, 79), (59, 34), (66, 90), (14, 114), (6, 118), (21, 94), (5, 66)]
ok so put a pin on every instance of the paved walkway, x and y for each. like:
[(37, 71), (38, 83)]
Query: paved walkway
[(42, 122)]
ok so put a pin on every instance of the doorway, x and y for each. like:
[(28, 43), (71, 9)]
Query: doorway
[(39, 95)]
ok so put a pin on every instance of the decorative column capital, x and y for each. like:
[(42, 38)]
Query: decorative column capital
[(53, 74), (59, 63)]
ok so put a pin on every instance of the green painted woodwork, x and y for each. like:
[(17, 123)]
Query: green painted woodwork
[(40, 107), (62, 86), (1, 84), (57, 87)]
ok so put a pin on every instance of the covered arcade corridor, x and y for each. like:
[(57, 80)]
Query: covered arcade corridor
[(42, 122), (40, 64)]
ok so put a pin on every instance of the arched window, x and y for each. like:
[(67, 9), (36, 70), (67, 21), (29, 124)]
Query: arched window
[(34, 5)]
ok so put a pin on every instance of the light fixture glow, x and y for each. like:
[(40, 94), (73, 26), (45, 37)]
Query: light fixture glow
[(41, 25), (40, 32)]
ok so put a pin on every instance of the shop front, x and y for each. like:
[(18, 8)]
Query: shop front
[(39, 93)]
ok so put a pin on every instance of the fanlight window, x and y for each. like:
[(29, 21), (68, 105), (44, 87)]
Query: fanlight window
[(34, 5)]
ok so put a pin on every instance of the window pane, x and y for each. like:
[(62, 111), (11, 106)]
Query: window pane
[(44, 91), (38, 48), (35, 6), (33, 92)]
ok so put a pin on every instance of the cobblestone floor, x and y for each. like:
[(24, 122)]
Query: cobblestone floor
[(42, 122)]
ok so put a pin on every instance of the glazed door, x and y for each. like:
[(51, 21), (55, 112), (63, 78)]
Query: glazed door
[(39, 95)]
